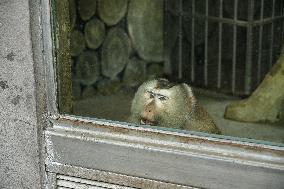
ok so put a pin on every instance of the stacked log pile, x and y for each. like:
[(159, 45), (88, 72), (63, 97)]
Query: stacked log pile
[(115, 44)]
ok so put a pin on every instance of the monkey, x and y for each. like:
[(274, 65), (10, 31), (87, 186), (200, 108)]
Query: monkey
[(161, 103)]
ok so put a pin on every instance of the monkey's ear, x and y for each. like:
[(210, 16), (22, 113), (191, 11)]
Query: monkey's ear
[(189, 94)]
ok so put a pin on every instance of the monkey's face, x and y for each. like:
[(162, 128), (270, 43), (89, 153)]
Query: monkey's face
[(155, 104)]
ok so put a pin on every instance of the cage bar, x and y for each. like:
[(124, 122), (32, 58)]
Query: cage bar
[(249, 30), (260, 43), (272, 35), (192, 42), (234, 46), (220, 25), (167, 64), (180, 59), (282, 27), (248, 67), (241, 23), (206, 46)]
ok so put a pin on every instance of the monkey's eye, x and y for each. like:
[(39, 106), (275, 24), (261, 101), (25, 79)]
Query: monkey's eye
[(163, 98), (151, 94)]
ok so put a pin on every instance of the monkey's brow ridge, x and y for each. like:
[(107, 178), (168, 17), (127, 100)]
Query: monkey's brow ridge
[(157, 94)]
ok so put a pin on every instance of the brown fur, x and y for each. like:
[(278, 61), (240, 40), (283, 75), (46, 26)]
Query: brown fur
[(161, 103)]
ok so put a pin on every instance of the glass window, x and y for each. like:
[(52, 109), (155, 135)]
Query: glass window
[(189, 66)]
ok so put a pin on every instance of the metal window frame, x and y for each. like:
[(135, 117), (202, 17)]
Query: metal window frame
[(143, 157)]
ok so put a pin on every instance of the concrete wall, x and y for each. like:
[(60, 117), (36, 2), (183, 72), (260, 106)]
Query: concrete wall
[(19, 139)]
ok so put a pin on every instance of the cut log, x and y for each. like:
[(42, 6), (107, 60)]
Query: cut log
[(115, 52), (135, 72), (266, 102), (88, 68), (87, 8), (76, 89), (154, 71), (89, 92), (145, 27), (94, 33), (111, 12), (73, 13), (109, 87), (77, 43)]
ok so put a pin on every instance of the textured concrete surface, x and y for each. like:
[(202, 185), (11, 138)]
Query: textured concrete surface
[(19, 152)]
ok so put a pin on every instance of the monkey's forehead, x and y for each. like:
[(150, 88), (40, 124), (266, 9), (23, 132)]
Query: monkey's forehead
[(161, 83)]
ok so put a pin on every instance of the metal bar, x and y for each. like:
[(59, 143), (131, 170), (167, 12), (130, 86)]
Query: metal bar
[(272, 35), (282, 26), (180, 59), (248, 68), (206, 46), (234, 47), (192, 42), (260, 44), (231, 21), (267, 20), (282, 38), (167, 50), (282, 41), (220, 46)]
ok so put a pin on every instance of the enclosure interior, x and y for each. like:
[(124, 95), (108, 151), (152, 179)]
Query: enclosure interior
[(223, 49)]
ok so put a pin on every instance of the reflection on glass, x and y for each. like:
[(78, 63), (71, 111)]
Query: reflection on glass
[(209, 65)]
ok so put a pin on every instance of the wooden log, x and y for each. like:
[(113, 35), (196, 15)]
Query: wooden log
[(135, 72), (109, 87), (77, 43), (88, 68), (115, 52), (94, 33), (76, 89), (87, 9), (145, 27), (111, 12), (73, 13), (89, 92), (154, 71)]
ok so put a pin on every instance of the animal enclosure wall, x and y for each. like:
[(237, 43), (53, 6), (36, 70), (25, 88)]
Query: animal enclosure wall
[(225, 45)]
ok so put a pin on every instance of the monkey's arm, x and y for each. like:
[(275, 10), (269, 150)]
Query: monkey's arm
[(133, 119), (201, 121)]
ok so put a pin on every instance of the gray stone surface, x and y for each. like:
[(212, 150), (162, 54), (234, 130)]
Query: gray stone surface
[(19, 151)]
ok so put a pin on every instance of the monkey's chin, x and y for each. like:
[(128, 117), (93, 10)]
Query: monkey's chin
[(144, 121)]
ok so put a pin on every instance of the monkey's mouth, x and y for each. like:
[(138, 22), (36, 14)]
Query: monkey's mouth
[(144, 121)]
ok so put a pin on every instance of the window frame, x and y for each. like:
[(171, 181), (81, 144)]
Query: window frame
[(151, 157)]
